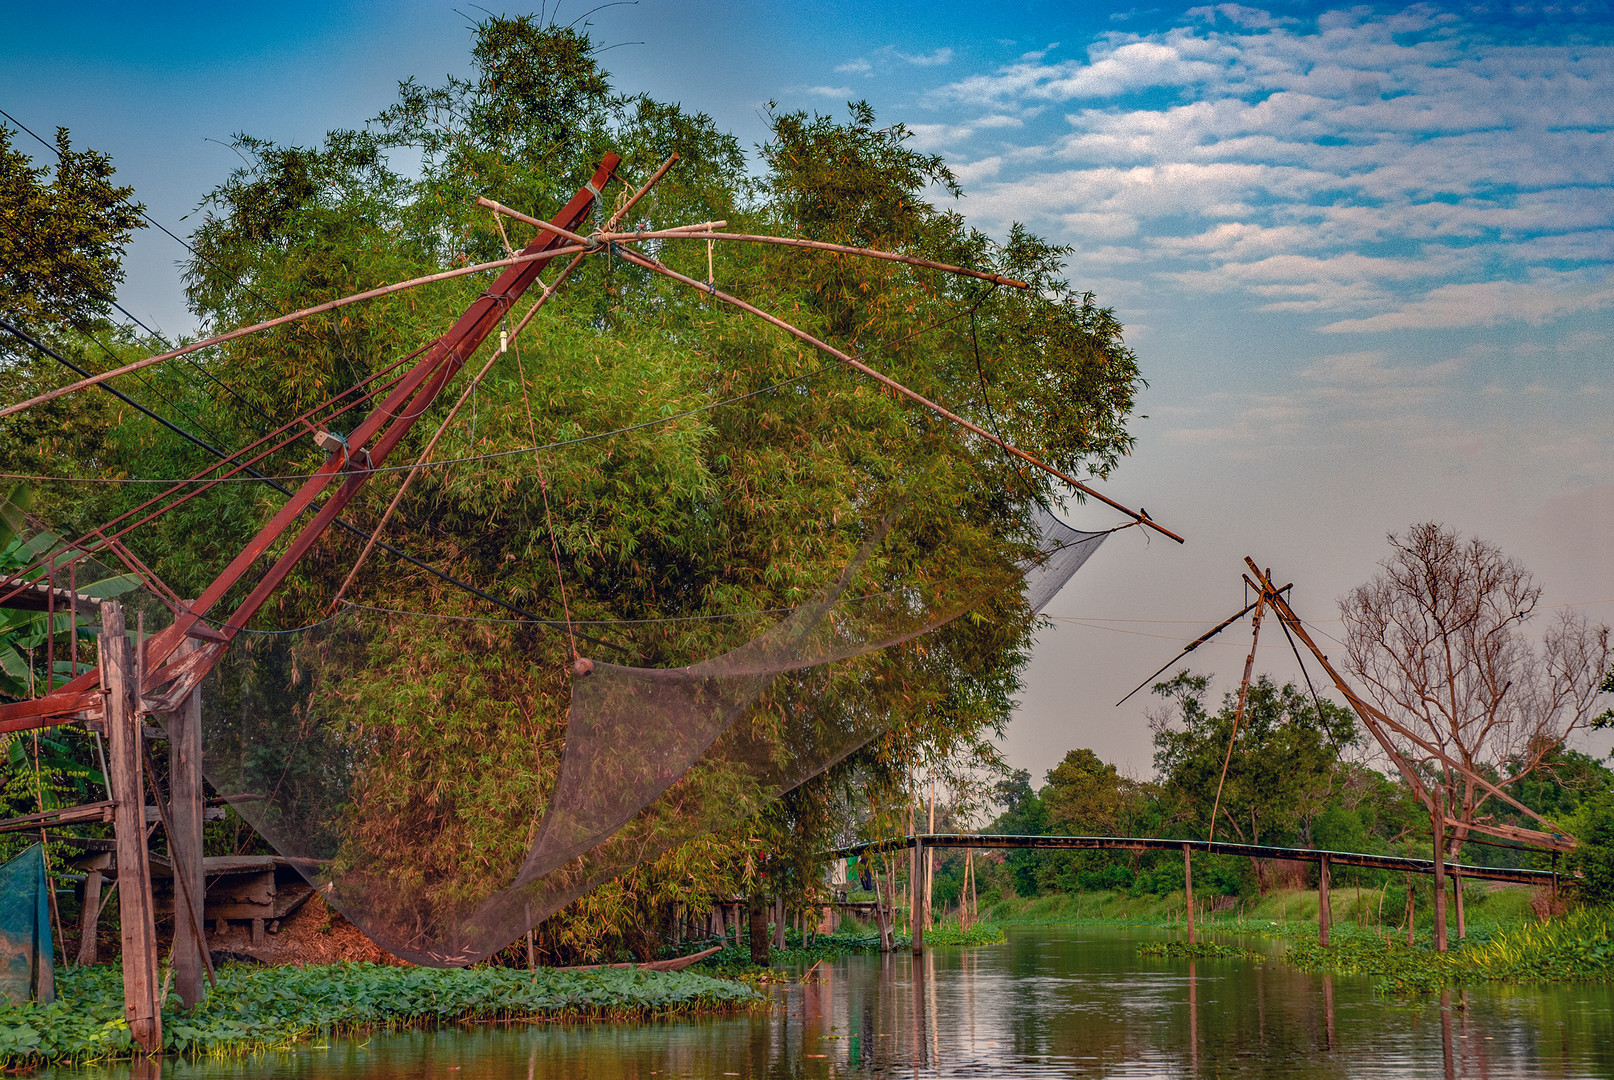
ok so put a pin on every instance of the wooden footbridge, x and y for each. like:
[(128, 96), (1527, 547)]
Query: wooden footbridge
[(920, 843)]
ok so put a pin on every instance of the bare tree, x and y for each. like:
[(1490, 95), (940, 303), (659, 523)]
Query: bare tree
[(1439, 640)]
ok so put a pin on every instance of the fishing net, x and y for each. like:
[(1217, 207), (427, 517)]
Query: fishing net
[(446, 861), (26, 970)]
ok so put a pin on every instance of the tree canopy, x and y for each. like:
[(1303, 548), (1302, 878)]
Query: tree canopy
[(63, 231)]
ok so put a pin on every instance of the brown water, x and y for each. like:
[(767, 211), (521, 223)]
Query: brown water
[(1056, 1001)]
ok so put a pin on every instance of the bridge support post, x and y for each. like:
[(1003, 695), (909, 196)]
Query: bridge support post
[(1325, 911), (915, 885), (1188, 887)]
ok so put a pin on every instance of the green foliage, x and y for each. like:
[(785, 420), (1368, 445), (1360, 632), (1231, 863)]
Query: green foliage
[(1593, 858), (61, 239), (26, 635), (1086, 796), (951, 933), (1577, 947), (1284, 765), (735, 961), (255, 1008), (1199, 950)]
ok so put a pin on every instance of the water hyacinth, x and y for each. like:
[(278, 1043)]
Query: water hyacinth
[(255, 1008), (1578, 947)]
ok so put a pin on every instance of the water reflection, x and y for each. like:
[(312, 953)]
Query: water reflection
[(1061, 1002)]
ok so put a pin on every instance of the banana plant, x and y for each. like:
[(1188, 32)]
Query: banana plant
[(24, 634)]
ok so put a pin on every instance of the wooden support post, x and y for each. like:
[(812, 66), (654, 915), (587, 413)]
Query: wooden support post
[(1188, 887), (975, 903), (1325, 910), (916, 922), (1439, 823), (186, 807), (930, 861), (139, 932), (1457, 896), (90, 920)]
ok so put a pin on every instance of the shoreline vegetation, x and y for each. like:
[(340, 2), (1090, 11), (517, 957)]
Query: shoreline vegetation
[(257, 1008), (1506, 940)]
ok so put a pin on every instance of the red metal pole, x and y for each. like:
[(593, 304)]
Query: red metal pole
[(387, 425)]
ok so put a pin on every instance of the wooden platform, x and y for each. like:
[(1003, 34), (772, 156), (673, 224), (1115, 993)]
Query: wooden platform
[(256, 889)]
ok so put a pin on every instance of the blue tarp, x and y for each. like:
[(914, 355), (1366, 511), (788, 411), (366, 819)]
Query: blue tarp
[(26, 969)]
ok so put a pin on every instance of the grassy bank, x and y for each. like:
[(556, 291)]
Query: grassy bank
[(1486, 908), (1505, 942), (258, 1008)]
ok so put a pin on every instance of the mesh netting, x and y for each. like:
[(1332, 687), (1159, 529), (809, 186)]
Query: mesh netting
[(1062, 551), (26, 970), (444, 858)]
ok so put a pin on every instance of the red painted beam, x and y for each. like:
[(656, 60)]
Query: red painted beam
[(408, 401)]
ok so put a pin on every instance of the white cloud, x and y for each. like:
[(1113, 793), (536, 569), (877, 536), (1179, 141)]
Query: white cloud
[(1373, 368), (855, 67), (929, 137), (1135, 65), (1481, 303), (999, 120), (842, 92), (1401, 170), (938, 58)]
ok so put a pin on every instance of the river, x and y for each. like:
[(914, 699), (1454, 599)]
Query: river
[(1053, 1001)]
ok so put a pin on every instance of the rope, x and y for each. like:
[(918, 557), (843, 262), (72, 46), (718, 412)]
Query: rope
[(543, 490)]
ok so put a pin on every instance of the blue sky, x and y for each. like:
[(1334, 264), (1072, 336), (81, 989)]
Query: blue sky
[(1365, 254)]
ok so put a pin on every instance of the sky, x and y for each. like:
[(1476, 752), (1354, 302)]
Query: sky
[(1365, 254)]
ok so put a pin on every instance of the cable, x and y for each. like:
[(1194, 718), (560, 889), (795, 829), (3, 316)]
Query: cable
[(342, 523), (12, 328), (141, 210)]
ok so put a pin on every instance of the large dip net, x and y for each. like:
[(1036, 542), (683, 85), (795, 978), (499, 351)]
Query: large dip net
[(307, 737)]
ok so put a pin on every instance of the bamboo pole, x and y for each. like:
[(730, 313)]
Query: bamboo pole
[(689, 232), (1238, 712), (917, 924), (270, 324), (891, 384), (1325, 911), (1438, 827), (1188, 887), (930, 861)]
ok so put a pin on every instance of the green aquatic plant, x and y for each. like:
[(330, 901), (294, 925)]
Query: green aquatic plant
[(260, 1008), (1199, 950), (1577, 947), (950, 933)]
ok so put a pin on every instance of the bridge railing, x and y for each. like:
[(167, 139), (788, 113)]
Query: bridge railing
[(1252, 851)]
